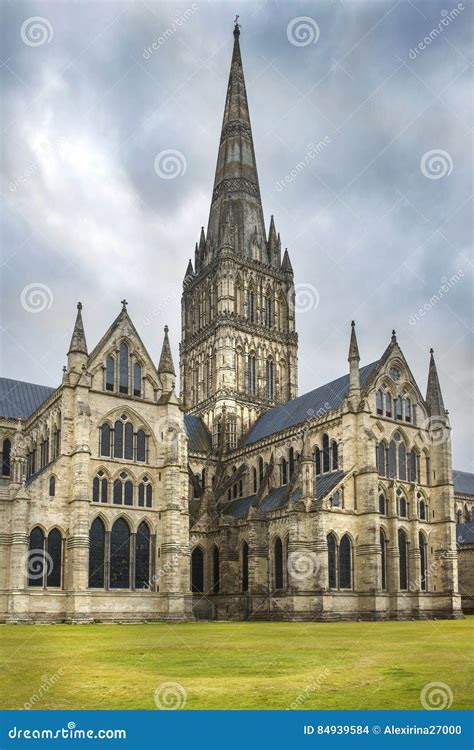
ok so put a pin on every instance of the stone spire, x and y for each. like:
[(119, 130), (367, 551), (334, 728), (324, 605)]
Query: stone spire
[(353, 359), (166, 371), (434, 397), (166, 365), (236, 187), (286, 262), (78, 343)]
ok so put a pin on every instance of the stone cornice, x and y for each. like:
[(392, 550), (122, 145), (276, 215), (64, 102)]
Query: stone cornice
[(240, 324)]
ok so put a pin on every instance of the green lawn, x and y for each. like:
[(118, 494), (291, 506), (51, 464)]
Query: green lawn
[(236, 665)]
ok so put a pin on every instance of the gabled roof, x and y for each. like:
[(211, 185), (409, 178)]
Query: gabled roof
[(304, 408), (199, 437), (277, 497), (18, 400), (463, 482)]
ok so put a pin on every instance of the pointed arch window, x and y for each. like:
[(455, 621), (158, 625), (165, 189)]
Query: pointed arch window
[(291, 462), (251, 374), (317, 461), (250, 305), (383, 559), (36, 558), (104, 449), (422, 510), (6, 457), (145, 493), (268, 317), (269, 378), (334, 456), (382, 505), (379, 402), (123, 490), (197, 570), (52, 485), (381, 459), (123, 368), (388, 405), (100, 488), (128, 443), (278, 562), (283, 472), (141, 445), (423, 561), (245, 567), (254, 480), (118, 439), (97, 555), (402, 507), (109, 374), (120, 555), (54, 550), (142, 557), (403, 559), (137, 379), (392, 460), (260, 471), (398, 408), (402, 462), (345, 563), (413, 465), (407, 410), (326, 456), (215, 570), (332, 561)]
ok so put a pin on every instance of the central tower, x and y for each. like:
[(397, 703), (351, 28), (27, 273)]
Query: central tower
[(238, 343)]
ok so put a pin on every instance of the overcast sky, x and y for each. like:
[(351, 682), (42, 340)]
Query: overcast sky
[(377, 218)]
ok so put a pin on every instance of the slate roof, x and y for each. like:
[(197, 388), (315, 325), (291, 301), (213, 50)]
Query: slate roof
[(276, 498), (199, 437), (463, 482), (465, 533), (321, 400), (19, 399)]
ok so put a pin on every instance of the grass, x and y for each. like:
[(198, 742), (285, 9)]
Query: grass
[(236, 665)]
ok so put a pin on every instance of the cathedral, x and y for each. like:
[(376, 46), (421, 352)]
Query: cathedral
[(122, 501)]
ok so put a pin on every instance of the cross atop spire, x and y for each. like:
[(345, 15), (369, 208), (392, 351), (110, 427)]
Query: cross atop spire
[(124, 304)]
